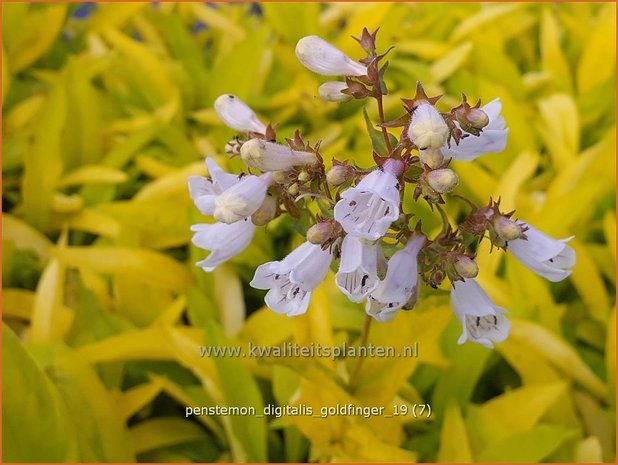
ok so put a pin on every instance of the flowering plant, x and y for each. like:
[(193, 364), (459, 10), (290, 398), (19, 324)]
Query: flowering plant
[(353, 215)]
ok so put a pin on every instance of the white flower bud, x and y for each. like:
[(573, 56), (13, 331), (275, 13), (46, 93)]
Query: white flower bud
[(331, 92), (507, 230), (293, 189), (339, 174), (304, 176), (325, 59), (431, 157), (427, 130), (442, 180), (280, 177), (477, 118), (320, 232), (266, 212), (269, 156), (466, 267), (237, 115)]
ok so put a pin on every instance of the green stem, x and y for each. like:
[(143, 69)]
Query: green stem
[(362, 342)]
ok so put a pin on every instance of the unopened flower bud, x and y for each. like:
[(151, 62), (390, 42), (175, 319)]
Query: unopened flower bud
[(326, 59), (320, 232), (427, 129), (506, 229), (466, 267), (280, 177), (304, 176), (442, 180), (266, 212), (431, 157), (477, 118), (269, 156), (232, 148), (293, 189), (339, 174), (237, 115), (331, 92)]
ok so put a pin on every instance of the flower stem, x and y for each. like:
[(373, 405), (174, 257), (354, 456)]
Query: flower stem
[(364, 337), (387, 140)]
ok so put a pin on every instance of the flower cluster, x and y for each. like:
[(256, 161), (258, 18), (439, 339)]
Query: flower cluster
[(356, 223)]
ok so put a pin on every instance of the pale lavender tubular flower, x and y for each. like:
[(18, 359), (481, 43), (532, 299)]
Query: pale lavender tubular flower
[(323, 58), (400, 283), (242, 199), (291, 280), (483, 321), (550, 258), (224, 241), (331, 92), (237, 115), (491, 140), (270, 156), (204, 191), (358, 270), (368, 209)]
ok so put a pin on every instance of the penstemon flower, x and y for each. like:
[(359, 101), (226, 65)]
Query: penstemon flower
[(551, 258), (358, 271), (236, 114), (400, 284), (357, 216), (224, 241), (290, 281), (368, 209), (483, 321), (326, 59)]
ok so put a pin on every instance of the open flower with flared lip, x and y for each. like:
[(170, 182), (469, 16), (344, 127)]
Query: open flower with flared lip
[(491, 140), (323, 58), (204, 191), (224, 241), (270, 156), (368, 209), (358, 270), (548, 257), (399, 284), (291, 280), (483, 321), (237, 115)]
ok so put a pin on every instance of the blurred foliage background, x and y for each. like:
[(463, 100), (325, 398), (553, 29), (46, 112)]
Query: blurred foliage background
[(107, 110)]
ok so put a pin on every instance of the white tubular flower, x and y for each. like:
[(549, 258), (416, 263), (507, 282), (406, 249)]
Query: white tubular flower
[(223, 240), (331, 92), (323, 58), (237, 115), (291, 280), (483, 321), (427, 129), (204, 191), (242, 199), (399, 284), (551, 258), (368, 209), (269, 156), (491, 140), (358, 271)]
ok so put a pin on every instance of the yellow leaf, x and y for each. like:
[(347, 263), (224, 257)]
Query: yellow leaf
[(555, 350), (443, 68), (23, 113), (454, 445), (131, 401), (152, 268), (559, 128), (266, 328), (588, 450), (230, 300), (37, 34), (172, 184), (596, 423), (488, 14), (24, 236), (93, 174), (114, 14), (610, 358), (94, 222), (598, 59), (219, 21), (552, 59), (589, 283), (609, 228), (160, 432)]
